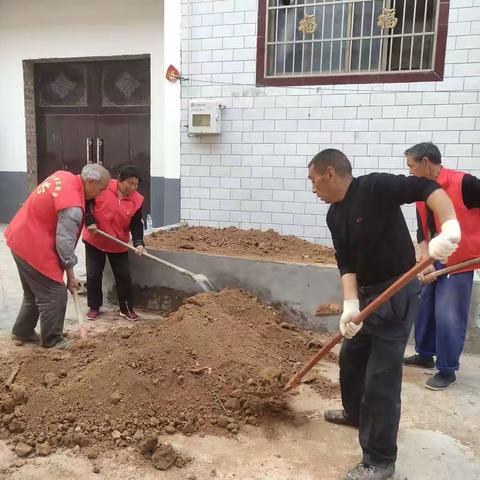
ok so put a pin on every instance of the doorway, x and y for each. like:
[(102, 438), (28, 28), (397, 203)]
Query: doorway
[(93, 111)]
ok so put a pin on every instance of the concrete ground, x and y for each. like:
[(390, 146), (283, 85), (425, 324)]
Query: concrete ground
[(439, 435)]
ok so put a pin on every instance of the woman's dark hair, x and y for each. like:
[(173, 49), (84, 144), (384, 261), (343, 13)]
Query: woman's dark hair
[(127, 171)]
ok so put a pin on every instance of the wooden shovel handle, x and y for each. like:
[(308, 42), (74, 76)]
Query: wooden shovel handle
[(366, 312), (454, 268)]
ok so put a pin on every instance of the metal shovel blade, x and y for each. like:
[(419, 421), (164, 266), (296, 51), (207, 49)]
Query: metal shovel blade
[(204, 282)]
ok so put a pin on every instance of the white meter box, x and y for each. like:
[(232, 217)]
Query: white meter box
[(205, 116)]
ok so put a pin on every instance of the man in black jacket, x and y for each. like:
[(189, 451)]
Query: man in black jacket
[(373, 248)]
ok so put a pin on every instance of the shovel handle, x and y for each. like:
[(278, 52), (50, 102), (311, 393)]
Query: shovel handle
[(146, 254), (454, 268), (366, 312)]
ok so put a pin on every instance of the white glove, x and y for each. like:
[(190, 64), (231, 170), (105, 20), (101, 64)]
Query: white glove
[(351, 308), (446, 242)]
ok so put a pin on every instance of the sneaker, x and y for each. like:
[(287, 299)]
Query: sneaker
[(92, 314), (420, 361), (339, 417), (363, 471), (129, 315), (33, 338), (441, 381)]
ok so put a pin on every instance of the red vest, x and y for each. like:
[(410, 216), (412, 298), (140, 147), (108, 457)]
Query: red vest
[(469, 219), (113, 215), (31, 234)]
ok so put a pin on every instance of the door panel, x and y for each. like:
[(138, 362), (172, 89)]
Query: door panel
[(126, 139), (107, 100), (75, 130)]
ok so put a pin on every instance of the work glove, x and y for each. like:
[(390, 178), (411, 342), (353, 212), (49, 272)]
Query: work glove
[(446, 242), (351, 308)]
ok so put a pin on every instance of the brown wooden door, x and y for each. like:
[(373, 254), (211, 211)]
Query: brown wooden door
[(94, 111)]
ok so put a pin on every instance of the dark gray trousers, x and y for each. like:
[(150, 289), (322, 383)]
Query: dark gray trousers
[(371, 370), (44, 300)]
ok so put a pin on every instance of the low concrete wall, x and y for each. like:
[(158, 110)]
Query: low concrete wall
[(296, 289)]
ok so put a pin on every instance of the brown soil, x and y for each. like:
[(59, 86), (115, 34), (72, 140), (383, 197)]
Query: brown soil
[(233, 241), (210, 367), (328, 309)]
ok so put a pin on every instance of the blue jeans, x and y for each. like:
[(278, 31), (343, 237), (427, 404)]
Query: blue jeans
[(441, 323)]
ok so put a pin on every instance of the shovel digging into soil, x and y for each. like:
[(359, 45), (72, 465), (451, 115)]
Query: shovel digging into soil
[(201, 280), (366, 312)]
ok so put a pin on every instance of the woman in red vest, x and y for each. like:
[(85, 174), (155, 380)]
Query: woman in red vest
[(117, 211), (441, 324)]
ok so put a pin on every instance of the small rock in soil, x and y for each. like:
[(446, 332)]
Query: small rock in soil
[(91, 453), (51, 379), (115, 397), (23, 450), (43, 449), (19, 394), (222, 421), (164, 457), (148, 445)]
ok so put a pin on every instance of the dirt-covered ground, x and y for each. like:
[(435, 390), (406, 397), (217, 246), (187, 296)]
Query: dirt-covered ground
[(268, 245), (217, 364)]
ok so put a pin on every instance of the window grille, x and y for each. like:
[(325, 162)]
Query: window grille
[(347, 37)]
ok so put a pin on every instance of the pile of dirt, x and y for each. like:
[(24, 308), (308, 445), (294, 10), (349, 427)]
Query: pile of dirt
[(207, 368), (233, 241)]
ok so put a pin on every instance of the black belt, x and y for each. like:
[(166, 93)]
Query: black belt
[(377, 288)]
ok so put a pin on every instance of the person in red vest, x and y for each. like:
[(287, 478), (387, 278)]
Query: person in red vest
[(441, 324), (42, 237), (117, 211)]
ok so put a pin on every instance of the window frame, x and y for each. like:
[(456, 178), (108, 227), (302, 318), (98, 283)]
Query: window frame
[(435, 75)]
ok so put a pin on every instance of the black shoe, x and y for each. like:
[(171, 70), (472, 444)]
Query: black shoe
[(33, 338), (419, 361), (339, 417), (363, 471), (441, 381)]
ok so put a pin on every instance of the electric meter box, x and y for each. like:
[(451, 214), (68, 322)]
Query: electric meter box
[(205, 116)]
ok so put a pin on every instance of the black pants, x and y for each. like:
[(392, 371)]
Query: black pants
[(44, 300), (95, 259), (371, 371)]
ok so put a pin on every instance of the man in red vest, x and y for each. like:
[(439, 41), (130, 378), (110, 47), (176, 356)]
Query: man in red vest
[(441, 324), (373, 248), (42, 237)]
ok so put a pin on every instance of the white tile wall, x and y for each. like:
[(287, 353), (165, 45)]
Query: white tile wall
[(253, 175)]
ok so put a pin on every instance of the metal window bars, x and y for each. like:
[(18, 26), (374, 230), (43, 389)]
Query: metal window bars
[(325, 37)]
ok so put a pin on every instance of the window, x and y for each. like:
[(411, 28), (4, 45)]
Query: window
[(350, 41)]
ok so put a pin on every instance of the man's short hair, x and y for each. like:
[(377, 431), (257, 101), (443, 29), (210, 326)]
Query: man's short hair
[(332, 157), (94, 172), (425, 150)]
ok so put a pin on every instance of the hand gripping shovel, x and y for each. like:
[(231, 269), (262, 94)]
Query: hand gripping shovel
[(367, 311), (202, 280)]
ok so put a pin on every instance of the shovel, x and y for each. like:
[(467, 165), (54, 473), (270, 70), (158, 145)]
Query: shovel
[(202, 280), (76, 301), (366, 312)]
